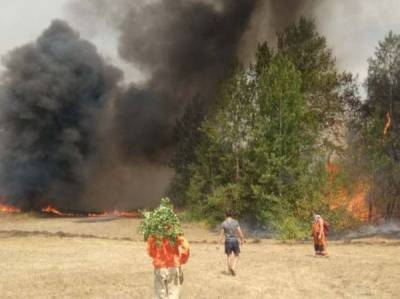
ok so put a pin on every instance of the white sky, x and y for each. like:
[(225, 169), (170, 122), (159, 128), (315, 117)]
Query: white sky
[(22, 21), (353, 28)]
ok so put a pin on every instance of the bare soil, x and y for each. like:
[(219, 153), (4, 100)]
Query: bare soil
[(106, 258)]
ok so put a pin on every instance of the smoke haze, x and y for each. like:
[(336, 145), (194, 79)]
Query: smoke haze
[(75, 138), (53, 91)]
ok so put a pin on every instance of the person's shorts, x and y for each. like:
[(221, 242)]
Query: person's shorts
[(232, 246)]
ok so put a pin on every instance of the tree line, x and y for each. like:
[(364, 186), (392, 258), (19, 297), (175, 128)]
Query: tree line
[(262, 149)]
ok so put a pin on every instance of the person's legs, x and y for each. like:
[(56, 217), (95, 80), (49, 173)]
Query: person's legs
[(318, 249), (231, 263), (324, 246), (160, 283), (235, 259), (174, 285), (230, 260), (228, 252)]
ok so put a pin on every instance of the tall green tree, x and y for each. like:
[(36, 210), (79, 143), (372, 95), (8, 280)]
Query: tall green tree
[(187, 137), (219, 166), (284, 164), (259, 153), (329, 93)]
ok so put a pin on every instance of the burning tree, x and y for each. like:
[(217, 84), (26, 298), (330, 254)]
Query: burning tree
[(376, 133)]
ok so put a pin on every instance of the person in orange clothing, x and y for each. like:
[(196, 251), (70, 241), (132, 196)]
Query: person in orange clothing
[(168, 257), (319, 236)]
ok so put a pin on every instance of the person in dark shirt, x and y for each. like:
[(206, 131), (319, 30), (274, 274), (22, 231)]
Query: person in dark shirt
[(230, 231)]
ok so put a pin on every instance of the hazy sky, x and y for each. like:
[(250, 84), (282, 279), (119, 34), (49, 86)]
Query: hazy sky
[(353, 28), (23, 20)]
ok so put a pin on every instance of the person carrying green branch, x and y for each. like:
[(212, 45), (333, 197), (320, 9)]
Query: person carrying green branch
[(168, 249)]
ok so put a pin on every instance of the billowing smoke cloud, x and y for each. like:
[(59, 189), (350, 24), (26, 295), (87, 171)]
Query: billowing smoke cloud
[(52, 95), (186, 48), (269, 17), (56, 90)]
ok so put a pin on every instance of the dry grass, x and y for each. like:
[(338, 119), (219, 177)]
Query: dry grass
[(47, 265)]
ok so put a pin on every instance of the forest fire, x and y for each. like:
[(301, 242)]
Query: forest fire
[(9, 209), (388, 124), (50, 210), (355, 201)]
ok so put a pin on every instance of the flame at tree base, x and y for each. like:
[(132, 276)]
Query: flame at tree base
[(9, 209), (355, 203), (50, 210)]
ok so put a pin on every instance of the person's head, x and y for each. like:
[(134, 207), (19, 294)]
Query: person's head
[(229, 213), (317, 217)]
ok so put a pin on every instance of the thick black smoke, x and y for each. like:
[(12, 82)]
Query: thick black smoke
[(52, 95), (53, 147), (186, 48)]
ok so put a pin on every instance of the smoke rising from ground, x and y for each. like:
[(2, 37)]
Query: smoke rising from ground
[(68, 141), (53, 91), (390, 229)]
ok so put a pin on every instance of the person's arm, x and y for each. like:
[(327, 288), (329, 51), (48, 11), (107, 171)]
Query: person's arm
[(240, 233), (184, 250)]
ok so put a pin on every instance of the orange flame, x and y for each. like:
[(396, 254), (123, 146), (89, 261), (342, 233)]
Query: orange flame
[(388, 124), (354, 202), (4, 208), (52, 210), (9, 209)]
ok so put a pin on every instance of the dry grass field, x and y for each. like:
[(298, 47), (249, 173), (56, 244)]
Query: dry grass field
[(105, 258)]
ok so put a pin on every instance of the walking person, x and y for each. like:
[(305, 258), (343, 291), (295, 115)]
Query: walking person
[(319, 236), (230, 231), (167, 261), (168, 249)]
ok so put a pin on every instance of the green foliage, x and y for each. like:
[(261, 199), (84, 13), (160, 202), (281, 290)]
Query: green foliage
[(258, 155), (187, 136), (329, 92), (341, 220), (291, 228), (283, 154), (262, 149), (161, 223)]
